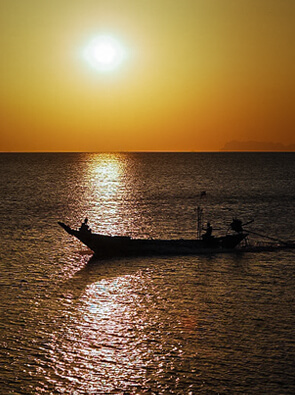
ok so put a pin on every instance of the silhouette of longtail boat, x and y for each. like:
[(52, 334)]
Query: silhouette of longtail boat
[(119, 246)]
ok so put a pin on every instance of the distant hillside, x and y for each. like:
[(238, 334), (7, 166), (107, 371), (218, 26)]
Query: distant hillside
[(256, 146)]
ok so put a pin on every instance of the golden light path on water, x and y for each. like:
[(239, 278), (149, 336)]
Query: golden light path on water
[(104, 334), (116, 196), (101, 344), (105, 176), (116, 334)]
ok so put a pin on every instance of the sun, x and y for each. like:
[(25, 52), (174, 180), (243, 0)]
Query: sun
[(104, 53)]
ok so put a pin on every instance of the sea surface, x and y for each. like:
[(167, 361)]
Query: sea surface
[(211, 324)]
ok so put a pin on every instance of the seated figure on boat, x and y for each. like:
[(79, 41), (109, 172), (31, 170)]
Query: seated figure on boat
[(84, 227), (208, 234)]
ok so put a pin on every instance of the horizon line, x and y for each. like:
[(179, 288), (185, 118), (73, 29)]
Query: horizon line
[(144, 151)]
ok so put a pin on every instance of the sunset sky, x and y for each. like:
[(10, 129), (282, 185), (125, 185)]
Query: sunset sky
[(189, 75)]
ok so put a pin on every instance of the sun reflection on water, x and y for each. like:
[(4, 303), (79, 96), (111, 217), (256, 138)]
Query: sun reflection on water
[(116, 198), (124, 328), (105, 171), (106, 164), (107, 328), (105, 176)]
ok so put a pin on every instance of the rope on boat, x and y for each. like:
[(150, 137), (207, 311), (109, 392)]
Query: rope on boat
[(270, 238)]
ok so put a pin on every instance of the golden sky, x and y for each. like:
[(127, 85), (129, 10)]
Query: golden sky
[(196, 75)]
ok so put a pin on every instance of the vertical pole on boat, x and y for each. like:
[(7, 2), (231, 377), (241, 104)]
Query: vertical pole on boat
[(199, 223)]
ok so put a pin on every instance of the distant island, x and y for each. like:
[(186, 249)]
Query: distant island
[(257, 146)]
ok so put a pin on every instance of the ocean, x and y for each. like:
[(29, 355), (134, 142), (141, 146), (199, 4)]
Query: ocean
[(210, 324)]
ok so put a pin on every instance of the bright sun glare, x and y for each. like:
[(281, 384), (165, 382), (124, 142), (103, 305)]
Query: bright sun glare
[(104, 53)]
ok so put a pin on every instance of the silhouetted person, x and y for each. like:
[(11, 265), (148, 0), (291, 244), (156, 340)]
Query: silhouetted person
[(237, 225), (84, 227), (208, 233)]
